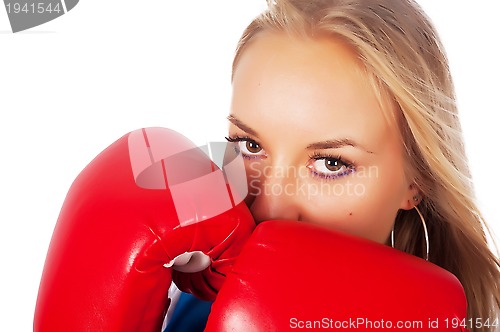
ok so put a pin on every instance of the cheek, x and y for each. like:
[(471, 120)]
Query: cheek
[(364, 206), (256, 173)]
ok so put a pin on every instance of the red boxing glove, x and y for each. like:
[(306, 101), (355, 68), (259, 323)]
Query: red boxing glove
[(149, 202), (292, 275)]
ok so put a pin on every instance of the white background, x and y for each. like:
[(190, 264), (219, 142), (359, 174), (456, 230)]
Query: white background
[(72, 86)]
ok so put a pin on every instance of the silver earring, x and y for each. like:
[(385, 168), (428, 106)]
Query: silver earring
[(425, 231)]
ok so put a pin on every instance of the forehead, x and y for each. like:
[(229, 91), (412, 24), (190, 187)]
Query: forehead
[(315, 85)]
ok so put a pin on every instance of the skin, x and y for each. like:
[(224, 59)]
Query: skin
[(316, 144)]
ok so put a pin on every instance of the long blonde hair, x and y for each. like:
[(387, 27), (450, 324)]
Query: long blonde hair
[(407, 65)]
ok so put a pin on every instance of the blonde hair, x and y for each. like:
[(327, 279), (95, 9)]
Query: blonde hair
[(407, 65)]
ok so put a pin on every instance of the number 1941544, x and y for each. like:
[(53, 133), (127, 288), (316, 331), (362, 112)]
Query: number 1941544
[(471, 323), (33, 8)]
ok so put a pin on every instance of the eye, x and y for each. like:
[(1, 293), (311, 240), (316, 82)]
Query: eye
[(329, 167), (251, 147), (248, 147)]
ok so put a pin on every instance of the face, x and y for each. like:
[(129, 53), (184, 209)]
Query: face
[(316, 144)]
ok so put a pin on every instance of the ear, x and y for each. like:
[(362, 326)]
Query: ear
[(411, 198)]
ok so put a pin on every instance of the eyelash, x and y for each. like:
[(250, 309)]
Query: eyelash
[(237, 138), (350, 166)]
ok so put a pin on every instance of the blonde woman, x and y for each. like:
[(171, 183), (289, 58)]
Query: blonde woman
[(356, 97), (345, 113)]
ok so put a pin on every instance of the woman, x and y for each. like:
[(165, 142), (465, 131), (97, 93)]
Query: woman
[(345, 113), (316, 71)]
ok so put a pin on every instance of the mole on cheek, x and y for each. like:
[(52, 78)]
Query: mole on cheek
[(350, 214)]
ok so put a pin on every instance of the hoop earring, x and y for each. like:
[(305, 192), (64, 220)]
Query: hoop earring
[(425, 233)]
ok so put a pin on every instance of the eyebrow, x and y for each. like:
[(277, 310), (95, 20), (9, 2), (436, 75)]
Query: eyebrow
[(237, 122), (323, 145), (336, 144)]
